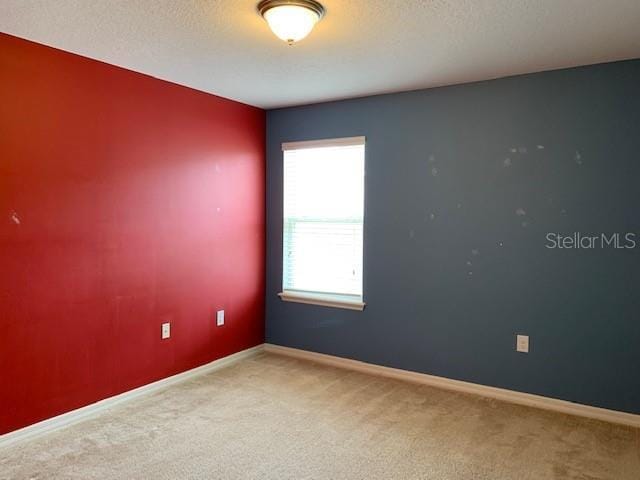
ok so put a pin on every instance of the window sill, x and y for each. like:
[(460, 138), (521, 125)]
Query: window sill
[(324, 300)]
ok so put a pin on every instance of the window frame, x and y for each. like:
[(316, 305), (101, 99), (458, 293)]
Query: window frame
[(335, 300)]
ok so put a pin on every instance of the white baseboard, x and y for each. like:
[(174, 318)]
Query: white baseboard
[(536, 401), (75, 416), (511, 396)]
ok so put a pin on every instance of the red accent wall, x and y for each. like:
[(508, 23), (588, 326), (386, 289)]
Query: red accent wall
[(125, 202)]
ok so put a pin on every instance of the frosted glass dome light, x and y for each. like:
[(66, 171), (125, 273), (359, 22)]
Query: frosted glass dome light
[(291, 20)]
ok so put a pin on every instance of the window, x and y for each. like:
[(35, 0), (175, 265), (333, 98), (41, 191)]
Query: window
[(323, 219)]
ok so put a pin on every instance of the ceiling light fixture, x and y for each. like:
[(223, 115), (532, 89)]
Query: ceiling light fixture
[(291, 20)]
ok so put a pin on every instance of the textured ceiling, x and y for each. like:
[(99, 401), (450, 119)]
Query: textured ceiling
[(361, 47)]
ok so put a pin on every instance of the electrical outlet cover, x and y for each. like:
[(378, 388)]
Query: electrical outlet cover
[(522, 343), (166, 330)]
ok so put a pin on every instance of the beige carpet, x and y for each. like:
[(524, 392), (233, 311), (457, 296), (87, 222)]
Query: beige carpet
[(271, 417)]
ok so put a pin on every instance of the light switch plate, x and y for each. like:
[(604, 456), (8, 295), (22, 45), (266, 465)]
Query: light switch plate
[(522, 343), (166, 330), (220, 318)]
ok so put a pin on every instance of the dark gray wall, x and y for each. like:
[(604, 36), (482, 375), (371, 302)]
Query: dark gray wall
[(444, 188)]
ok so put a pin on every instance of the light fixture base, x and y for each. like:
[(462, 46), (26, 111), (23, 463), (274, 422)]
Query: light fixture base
[(312, 5)]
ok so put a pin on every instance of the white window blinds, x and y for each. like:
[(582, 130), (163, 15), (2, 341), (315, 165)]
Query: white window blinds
[(323, 217)]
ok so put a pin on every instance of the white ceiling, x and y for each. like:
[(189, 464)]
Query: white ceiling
[(361, 47)]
